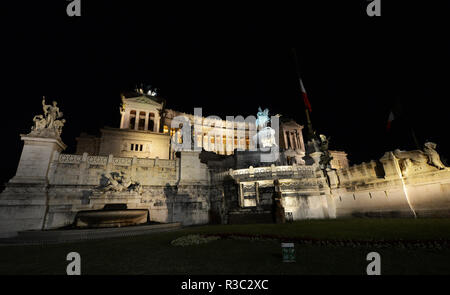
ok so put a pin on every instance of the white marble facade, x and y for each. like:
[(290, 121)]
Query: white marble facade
[(141, 135)]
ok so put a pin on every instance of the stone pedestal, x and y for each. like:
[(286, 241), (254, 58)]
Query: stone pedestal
[(24, 203), (35, 160), (192, 171), (316, 157)]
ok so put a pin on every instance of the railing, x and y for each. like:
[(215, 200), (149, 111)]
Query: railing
[(117, 161), (262, 172)]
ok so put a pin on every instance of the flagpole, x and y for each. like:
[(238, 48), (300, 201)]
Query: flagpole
[(414, 137), (308, 120), (308, 115), (411, 129)]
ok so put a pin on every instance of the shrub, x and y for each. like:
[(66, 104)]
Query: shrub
[(193, 240)]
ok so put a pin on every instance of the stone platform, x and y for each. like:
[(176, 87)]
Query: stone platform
[(61, 236), (249, 216)]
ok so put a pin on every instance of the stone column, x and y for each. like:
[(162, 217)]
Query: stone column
[(257, 192), (126, 123), (136, 120), (297, 137), (241, 195), (294, 143), (156, 123), (146, 121), (122, 120), (285, 140)]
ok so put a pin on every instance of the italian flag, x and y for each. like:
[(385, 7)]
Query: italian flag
[(390, 119), (305, 96)]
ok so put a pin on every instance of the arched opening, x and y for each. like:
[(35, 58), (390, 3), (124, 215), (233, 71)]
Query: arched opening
[(132, 119), (151, 122), (141, 125)]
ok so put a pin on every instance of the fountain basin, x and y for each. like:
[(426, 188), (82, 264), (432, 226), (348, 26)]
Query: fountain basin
[(111, 218)]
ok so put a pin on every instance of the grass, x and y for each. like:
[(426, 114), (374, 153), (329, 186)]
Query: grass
[(363, 229), (153, 253)]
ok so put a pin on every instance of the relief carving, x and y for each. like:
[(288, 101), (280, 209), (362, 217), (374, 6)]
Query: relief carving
[(119, 182)]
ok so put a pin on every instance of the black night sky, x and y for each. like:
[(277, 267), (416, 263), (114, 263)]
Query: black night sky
[(230, 59)]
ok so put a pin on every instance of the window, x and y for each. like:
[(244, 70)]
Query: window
[(135, 147)]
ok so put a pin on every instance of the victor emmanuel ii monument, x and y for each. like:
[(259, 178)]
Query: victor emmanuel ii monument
[(177, 167)]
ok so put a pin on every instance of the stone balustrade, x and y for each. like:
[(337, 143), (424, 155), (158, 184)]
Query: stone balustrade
[(120, 161), (265, 172), (70, 169)]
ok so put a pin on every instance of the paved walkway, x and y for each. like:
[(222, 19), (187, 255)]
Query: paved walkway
[(70, 235)]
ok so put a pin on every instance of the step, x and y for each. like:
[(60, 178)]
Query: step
[(56, 236)]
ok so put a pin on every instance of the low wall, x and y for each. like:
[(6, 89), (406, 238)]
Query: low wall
[(388, 189), (68, 169), (304, 189), (36, 208), (168, 192)]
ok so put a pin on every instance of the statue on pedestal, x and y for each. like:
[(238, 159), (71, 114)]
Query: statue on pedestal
[(278, 213), (410, 159), (326, 157), (265, 136), (49, 124)]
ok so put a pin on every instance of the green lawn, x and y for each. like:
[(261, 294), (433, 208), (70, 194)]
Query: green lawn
[(153, 253)]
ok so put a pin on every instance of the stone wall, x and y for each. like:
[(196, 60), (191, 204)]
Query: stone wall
[(305, 192), (129, 143), (50, 188), (71, 184), (382, 188), (68, 169)]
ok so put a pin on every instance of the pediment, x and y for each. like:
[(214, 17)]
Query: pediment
[(143, 100)]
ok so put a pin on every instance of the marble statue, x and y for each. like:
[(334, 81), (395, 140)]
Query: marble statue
[(50, 124), (51, 112), (58, 124), (262, 118), (326, 157), (417, 157), (265, 137), (433, 157), (278, 213), (39, 122), (118, 182), (152, 92)]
